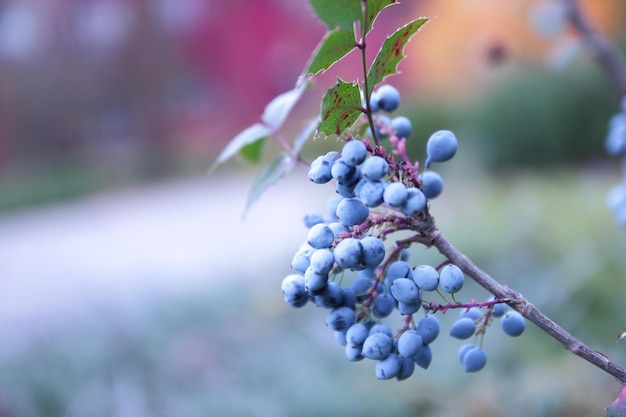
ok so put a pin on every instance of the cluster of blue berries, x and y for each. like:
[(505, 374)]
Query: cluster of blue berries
[(377, 194), (474, 321), (616, 146)]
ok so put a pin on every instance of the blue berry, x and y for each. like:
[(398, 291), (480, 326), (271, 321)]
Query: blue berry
[(398, 269), (381, 328), (373, 252), (423, 357), (407, 367), (370, 192), (441, 147), (389, 367), (415, 202), (377, 346), (474, 359), (352, 211), (348, 253), (343, 172), (383, 305), (311, 219), (331, 296), (428, 328), (340, 319), (615, 142), (451, 279), (498, 310), (513, 323), (356, 334), (320, 236), (340, 337), (314, 282), (409, 343), (463, 350), (354, 152), (395, 194), (463, 328), (409, 308), (426, 277), (294, 291), (302, 258), (361, 287), (473, 313), (401, 126), (374, 168), (405, 291), (432, 184), (387, 98), (320, 170), (354, 353), (322, 261)]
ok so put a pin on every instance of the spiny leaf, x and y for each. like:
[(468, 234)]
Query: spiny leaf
[(335, 45), (337, 13), (374, 7), (278, 167), (252, 151), (392, 52), (251, 134), (341, 107)]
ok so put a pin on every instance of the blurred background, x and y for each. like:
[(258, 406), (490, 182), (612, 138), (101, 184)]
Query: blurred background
[(131, 284)]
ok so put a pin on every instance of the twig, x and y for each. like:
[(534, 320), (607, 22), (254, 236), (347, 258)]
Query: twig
[(519, 303), (604, 51)]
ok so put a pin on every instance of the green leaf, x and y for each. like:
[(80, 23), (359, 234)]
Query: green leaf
[(251, 134), (278, 167), (392, 52), (335, 45), (278, 109), (306, 133), (374, 7), (337, 13), (252, 151), (341, 107)]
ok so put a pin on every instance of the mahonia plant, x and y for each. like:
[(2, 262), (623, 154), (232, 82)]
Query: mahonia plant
[(351, 261)]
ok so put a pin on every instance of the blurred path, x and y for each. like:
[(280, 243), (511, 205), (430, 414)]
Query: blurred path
[(123, 247)]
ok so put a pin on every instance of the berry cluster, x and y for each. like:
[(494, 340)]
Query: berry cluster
[(474, 321), (378, 194), (616, 146)]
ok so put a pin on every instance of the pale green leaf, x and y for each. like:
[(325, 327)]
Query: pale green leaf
[(278, 109), (274, 171), (249, 135)]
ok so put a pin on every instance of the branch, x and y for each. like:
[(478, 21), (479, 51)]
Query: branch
[(519, 303), (603, 50)]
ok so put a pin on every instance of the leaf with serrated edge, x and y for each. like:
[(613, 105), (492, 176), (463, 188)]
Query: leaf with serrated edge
[(337, 13), (335, 45), (374, 7), (278, 109), (249, 135), (392, 52), (341, 107), (278, 167)]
